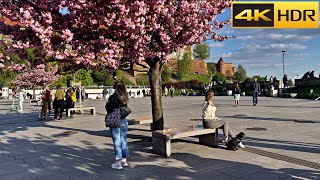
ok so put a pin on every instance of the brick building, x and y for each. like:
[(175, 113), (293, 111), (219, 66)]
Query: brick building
[(226, 69)]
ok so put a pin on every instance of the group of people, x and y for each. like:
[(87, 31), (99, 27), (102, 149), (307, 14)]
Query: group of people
[(309, 74), (60, 100), (170, 90)]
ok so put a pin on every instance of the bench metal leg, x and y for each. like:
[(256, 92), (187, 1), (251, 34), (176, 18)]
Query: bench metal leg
[(209, 139), (93, 111), (161, 146)]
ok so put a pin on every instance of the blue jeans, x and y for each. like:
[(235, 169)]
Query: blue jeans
[(255, 97), (119, 137)]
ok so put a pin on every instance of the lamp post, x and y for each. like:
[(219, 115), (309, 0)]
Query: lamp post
[(283, 61)]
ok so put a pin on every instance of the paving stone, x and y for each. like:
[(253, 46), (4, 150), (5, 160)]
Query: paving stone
[(28, 147)]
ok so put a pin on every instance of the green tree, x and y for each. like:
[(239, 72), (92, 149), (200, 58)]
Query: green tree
[(102, 77), (219, 77), (84, 76), (241, 74), (184, 65), (201, 51), (166, 74), (6, 77), (259, 78), (212, 69), (64, 81)]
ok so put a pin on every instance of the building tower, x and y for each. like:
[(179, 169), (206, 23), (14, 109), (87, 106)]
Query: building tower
[(221, 66)]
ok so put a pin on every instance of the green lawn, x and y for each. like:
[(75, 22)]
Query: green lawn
[(202, 78)]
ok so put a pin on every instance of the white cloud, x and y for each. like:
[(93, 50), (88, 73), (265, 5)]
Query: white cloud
[(226, 55), (288, 37), (258, 65), (245, 38), (266, 36), (216, 45), (300, 55)]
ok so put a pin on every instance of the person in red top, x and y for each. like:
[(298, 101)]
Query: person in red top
[(45, 103)]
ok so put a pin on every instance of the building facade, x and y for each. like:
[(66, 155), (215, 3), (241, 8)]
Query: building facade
[(226, 69)]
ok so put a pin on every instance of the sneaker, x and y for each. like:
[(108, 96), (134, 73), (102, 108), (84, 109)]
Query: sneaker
[(241, 145), (124, 163), (117, 165), (225, 141)]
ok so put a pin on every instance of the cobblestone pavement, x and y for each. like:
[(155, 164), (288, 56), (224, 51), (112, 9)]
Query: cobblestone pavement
[(81, 148)]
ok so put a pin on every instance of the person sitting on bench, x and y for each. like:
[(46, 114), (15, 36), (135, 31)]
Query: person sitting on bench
[(210, 121)]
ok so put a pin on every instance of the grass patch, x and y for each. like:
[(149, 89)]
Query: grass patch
[(142, 80), (199, 77)]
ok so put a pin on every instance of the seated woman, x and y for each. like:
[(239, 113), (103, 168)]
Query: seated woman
[(211, 121)]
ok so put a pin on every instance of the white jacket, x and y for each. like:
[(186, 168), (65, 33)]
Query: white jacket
[(209, 111)]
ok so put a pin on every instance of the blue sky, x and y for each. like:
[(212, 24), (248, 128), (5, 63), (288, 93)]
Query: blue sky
[(259, 50)]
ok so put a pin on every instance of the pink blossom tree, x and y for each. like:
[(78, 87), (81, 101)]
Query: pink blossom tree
[(40, 76), (114, 33)]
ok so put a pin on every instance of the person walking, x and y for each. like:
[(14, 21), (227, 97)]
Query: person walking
[(165, 91), (171, 90), (255, 91), (143, 92), (83, 94), (285, 81), (58, 103), (119, 135), (236, 93), (45, 103), (210, 121), (21, 99)]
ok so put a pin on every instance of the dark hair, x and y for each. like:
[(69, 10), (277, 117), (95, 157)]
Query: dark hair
[(121, 92)]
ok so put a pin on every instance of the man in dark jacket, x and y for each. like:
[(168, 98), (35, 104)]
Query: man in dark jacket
[(255, 91)]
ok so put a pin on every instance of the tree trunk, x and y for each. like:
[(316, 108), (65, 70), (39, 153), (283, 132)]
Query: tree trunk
[(156, 95)]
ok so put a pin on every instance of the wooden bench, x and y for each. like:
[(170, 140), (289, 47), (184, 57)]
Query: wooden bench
[(142, 120), (92, 109), (161, 140)]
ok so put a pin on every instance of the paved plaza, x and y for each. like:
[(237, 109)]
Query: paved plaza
[(81, 148)]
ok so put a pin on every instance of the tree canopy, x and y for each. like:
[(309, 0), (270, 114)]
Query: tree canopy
[(241, 74), (184, 65), (109, 33), (201, 51)]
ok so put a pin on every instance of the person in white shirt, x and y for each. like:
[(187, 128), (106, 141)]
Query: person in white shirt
[(21, 99), (210, 120)]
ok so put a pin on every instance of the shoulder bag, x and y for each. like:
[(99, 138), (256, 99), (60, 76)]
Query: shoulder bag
[(113, 119)]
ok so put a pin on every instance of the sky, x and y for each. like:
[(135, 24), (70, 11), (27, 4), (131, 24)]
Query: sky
[(259, 50)]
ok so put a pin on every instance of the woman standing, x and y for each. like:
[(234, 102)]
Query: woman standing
[(211, 121), (236, 93), (119, 135), (74, 100)]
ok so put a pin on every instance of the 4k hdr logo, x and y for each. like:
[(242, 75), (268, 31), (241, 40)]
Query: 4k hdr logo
[(275, 14)]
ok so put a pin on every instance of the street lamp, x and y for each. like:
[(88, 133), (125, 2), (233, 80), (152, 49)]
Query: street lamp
[(283, 62)]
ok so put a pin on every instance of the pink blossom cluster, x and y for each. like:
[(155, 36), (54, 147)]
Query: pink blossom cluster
[(39, 76), (110, 33)]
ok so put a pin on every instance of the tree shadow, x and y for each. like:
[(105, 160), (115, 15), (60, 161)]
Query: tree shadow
[(271, 119), (285, 145), (46, 158)]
